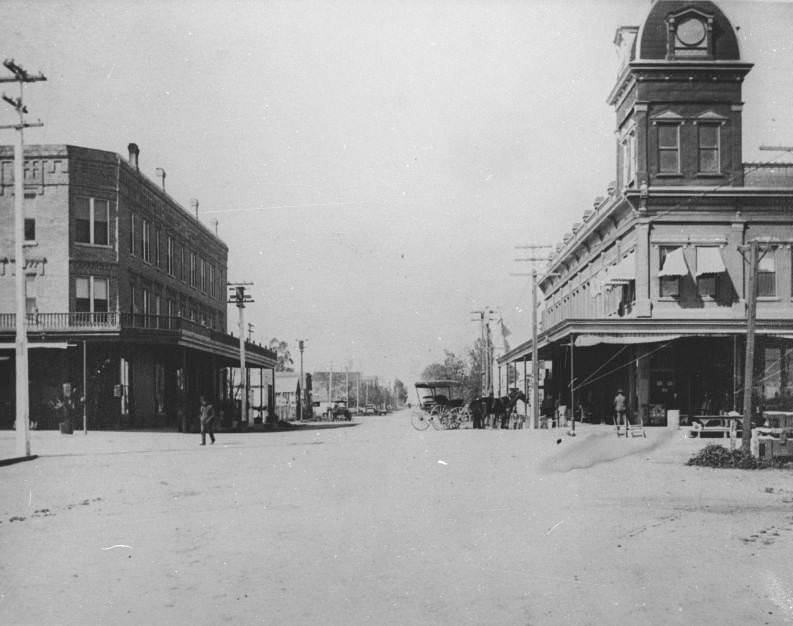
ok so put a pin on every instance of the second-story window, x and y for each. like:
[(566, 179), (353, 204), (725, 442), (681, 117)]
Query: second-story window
[(145, 228), (766, 275), (669, 148), (91, 295), (30, 230), (92, 217), (673, 268), (628, 159), (193, 270), (709, 148), (169, 256)]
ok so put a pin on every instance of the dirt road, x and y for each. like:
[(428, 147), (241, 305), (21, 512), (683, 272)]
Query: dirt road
[(377, 523)]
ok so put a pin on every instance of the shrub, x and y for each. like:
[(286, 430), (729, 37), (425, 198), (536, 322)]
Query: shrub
[(718, 456)]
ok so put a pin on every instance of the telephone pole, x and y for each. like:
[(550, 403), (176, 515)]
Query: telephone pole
[(21, 365), (753, 252), (300, 346), (535, 365), (240, 298)]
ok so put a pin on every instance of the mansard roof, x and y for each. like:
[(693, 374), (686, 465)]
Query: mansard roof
[(651, 42)]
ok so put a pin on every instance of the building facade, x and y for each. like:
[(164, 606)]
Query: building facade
[(648, 291), (125, 294)]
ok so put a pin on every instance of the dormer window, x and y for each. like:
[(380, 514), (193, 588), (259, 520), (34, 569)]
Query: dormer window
[(689, 35)]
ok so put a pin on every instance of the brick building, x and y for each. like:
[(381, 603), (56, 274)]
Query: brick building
[(648, 291), (119, 274)]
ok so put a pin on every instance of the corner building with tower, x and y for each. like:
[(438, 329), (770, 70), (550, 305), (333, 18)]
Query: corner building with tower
[(648, 291)]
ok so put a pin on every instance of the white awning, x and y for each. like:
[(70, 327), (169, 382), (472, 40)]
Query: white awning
[(709, 261), (582, 341), (624, 271), (675, 264)]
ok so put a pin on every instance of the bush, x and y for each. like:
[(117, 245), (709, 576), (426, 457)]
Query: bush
[(719, 456)]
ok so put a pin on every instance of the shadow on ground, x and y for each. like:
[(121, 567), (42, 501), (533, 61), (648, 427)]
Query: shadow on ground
[(596, 448)]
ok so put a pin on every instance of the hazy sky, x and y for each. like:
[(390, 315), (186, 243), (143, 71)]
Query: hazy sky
[(371, 164)]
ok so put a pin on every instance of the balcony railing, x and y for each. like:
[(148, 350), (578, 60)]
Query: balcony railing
[(101, 321), (112, 321)]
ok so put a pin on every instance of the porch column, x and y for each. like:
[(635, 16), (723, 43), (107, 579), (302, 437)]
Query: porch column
[(642, 383), (643, 302)]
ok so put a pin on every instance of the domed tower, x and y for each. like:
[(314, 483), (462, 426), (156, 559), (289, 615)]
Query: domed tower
[(678, 98)]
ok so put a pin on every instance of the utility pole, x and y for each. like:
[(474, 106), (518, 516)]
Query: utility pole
[(21, 364), (481, 319), (300, 346), (748, 371), (240, 298), (535, 365), (484, 317)]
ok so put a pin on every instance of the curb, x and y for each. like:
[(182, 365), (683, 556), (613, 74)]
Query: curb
[(18, 459)]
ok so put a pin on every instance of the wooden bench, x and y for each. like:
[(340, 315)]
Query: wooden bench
[(727, 425)]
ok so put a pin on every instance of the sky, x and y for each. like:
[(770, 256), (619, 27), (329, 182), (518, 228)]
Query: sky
[(371, 164)]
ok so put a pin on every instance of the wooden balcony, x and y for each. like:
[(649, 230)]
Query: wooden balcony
[(141, 327)]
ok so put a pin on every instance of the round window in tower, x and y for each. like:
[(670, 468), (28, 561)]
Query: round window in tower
[(691, 32)]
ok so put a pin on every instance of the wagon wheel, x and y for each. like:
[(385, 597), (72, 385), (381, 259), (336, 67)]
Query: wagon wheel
[(420, 420)]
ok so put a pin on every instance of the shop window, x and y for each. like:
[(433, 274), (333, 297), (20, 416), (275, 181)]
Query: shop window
[(709, 148), (772, 373), (766, 275), (669, 148), (92, 216)]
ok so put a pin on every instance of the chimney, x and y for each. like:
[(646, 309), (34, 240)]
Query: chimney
[(134, 151)]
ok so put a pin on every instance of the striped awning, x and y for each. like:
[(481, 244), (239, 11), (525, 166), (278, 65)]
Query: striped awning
[(624, 271), (709, 261), (675, 264)]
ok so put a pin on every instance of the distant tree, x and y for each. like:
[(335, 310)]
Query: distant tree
[(401, 392), (473, 386), (281, 348), (452, 368)]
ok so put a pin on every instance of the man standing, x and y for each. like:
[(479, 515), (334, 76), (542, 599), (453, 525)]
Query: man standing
[(620, 410), (207, 418)]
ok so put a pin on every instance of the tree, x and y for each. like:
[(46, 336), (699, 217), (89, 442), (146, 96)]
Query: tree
[(401, 392), (473, 386), (281, 348), (452, 368)]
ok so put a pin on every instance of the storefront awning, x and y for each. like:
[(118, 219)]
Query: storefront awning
[(709, 261), (675, 264), (624, 271), (582, 341)]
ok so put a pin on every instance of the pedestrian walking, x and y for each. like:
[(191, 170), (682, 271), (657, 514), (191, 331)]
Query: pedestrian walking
[(207, 419), (620, 410)]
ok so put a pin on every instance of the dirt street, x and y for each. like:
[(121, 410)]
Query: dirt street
[(376, 523)]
